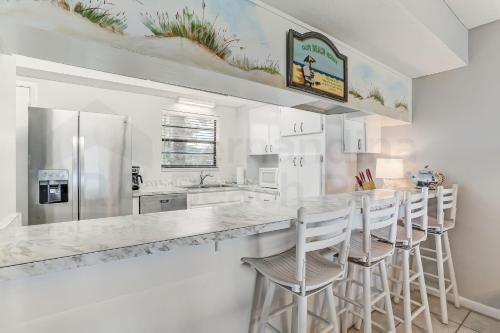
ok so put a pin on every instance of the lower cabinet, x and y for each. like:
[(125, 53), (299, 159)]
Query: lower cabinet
[(258, 196), (211, 199)]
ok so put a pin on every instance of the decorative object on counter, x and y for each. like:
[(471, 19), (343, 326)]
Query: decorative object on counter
[(240, 176), (366, 182), (389, 169), (428, 178)]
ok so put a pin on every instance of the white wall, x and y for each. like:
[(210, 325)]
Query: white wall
[(145, 112), (7, 135), (456, 130)]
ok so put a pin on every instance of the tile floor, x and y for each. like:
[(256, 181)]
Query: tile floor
[(460, 320)]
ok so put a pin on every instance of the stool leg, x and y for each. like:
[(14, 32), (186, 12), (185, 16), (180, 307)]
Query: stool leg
[(388, 307), (451, 269), (301, 314), (333, 309), (406, 290), (349, 295), (423, 289), (294, 314), (367, 300), (399, 277), (266, 307), (442, 283)]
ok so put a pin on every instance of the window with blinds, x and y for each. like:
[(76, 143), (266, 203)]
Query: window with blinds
[(189, 141)]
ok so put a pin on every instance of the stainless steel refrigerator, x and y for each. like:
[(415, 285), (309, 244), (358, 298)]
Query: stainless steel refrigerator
[(79, 165)]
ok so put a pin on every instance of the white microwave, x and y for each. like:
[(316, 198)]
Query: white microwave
[(269, 177)]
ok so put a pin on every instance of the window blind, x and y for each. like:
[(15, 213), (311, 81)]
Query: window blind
[(189, 141)]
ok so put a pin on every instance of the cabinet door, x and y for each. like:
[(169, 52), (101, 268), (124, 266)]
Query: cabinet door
[(309, 122), (354, 136), (310, 175), (373, 128), (258, 132), (289, 176), (299, 122), (288, 122), (274, 130)]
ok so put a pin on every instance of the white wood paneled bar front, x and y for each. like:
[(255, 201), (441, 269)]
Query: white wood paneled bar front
[(101, 265)]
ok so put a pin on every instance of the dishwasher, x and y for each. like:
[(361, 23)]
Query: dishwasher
[(162, 203)]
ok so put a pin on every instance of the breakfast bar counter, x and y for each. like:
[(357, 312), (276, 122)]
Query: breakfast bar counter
[(35, 250)]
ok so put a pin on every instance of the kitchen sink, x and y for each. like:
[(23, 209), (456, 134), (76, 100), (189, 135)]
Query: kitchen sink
[(206, 186)]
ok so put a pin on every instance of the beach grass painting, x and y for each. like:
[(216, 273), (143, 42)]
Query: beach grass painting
[(98, 12), (400, 105), (355, 93), (198, 29), (376, 95), (187, 24)]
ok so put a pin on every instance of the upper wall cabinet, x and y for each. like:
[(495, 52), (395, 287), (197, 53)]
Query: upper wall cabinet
[(362, 135), (298, 122), (264, 130)]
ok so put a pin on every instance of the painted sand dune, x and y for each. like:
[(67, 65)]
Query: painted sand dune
[(51, 17)]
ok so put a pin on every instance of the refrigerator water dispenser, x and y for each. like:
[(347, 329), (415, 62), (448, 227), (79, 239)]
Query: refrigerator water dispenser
[(52, 186)]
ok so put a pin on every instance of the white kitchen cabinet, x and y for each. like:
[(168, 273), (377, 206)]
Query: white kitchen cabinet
[(264, 130), (249, 196), (211, 199), (354, 136), (363, 135), (299, 122), (301, 175)]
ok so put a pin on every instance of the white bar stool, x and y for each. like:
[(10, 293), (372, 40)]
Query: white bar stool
[(407, 243), (304, 271), (439, 227), (366, 253)]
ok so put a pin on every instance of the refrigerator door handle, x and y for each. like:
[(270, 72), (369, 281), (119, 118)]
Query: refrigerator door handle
[(81, 173), (75, 200)]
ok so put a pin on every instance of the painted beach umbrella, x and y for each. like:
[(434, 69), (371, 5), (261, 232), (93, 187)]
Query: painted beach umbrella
[(309, 59)]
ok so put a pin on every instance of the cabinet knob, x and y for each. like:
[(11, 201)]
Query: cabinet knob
[(294, 161), (266, 149), (301, 160), (359, 144), (302, 127), (295, 127), (271, 148)]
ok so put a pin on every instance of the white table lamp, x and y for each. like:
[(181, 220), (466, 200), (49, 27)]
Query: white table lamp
[(389, 168)]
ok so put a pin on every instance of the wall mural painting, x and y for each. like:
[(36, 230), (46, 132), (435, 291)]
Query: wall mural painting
[(233, 37)]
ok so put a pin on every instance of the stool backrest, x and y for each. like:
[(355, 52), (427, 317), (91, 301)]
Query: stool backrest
[(416, 207), (320, 231), (446, 202), (379, 214)]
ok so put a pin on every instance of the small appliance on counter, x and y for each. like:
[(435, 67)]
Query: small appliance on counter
[(136, 178), (428, 178), (269, 177)]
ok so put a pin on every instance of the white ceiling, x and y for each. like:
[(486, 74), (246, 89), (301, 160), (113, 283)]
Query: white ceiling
[(415, 37), (474, 13)]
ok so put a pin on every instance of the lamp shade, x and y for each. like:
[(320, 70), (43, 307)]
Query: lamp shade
[(389, 168)]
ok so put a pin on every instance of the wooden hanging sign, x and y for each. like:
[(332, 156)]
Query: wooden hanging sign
[(315, 65)]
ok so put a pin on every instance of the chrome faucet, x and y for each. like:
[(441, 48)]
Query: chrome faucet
[(204, 176)]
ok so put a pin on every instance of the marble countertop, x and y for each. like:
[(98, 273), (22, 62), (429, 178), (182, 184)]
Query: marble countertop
[(33, 250), (174, 189)]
